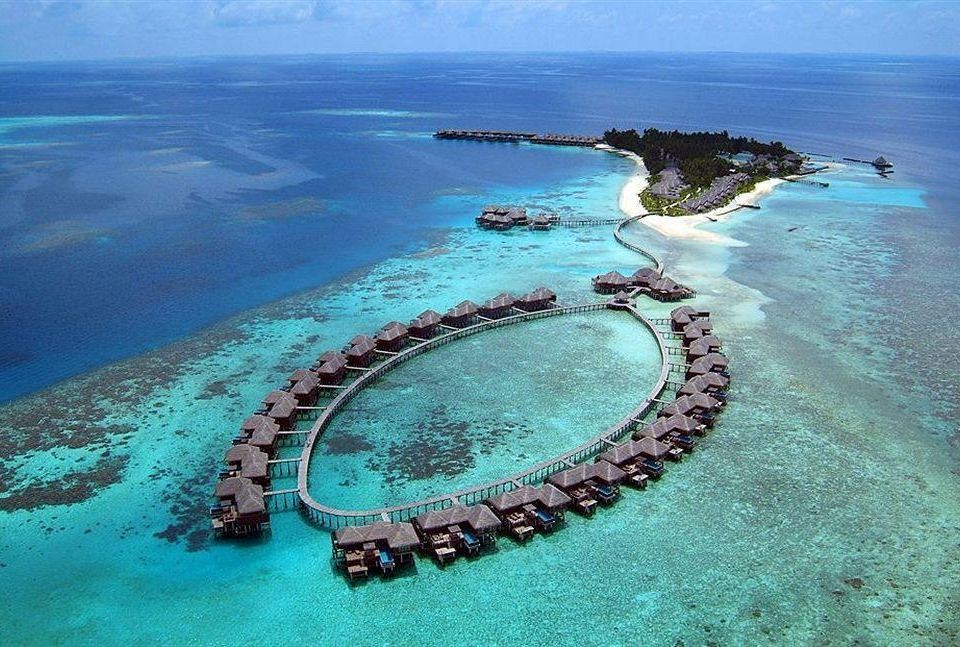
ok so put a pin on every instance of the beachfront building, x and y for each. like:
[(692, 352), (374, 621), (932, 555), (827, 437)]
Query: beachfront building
[(249, 462), (261, 432)]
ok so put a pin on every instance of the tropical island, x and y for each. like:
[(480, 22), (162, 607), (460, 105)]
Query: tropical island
[(701, 171)]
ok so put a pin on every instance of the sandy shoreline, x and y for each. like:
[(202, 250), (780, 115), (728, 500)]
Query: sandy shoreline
[(684, 226)]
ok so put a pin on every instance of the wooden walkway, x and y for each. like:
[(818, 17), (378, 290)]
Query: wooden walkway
[(331, 517)]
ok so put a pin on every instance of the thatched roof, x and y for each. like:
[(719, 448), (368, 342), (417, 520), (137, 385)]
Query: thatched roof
[(611, 278), (603, 472), (683, 314), (708, 364), (251, 462), (426, 318), (552, 498), (246, 495), (540, 294), (502, 300), (392, 331), (283, 408), (252, 423), (305, 386), (651, 448), (508, 501), (702, 383), (687, 403), (479, 517), (299, 374), (332, 356), (395, 535), (275, 396), (463, 309)]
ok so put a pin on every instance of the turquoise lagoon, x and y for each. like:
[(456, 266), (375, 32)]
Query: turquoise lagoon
[(824, 508)]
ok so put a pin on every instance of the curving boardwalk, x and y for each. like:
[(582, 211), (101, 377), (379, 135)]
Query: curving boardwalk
[(330, 517)]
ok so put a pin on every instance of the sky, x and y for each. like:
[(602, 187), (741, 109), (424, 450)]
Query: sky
[(105, 29)]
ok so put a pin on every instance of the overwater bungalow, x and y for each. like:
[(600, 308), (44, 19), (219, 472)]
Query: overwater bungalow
[(712, 384), (392, 337), (676, 431), (540, 223), (299, 374), (249, 462), (461, 315), (241, 509), (881, 163), (683, 315), (621, 298), (499, 306), (526, 509), (540, 299), (459, 529), (696, 330), (261, 432), (331, 356), (518, 216), (702, 347), (639, 459), (645, 277), (379, 547), (283, 410), (699, 406), (588, 483), (360, 351), (712, 363), (305, 391), (332, 371), (425, 325), (610, 283), (666, 289)]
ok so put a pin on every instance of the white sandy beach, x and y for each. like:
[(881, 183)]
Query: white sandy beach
[(683, 226)]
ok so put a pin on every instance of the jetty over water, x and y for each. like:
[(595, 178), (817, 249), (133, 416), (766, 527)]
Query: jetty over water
[(550, 139)]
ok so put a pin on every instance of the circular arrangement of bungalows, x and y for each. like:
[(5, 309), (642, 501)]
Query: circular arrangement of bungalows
[(467, 531), (244, 484), (646, 280)]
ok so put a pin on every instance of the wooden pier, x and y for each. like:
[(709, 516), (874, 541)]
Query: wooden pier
[(550, 139)]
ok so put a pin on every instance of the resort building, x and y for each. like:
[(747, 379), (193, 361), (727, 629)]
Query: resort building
[(241, 509), (610, 283), (713, 384), (359, 352), (249, 462), (425, 325), (526, 509), (699, 406), (712, 363), (639, 459), (539, 299), (261, 432), (392, 337), (379, 547), (499, 306), (457, 530), (702, 347), (684, 315), (461, 315), (588, 483)]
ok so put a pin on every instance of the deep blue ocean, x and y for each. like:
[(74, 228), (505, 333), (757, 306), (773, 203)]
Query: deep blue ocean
[(177, 235)]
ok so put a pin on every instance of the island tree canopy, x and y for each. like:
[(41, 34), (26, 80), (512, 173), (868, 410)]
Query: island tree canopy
[(697, 155)]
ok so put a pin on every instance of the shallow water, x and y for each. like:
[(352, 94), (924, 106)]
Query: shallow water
[(823, 509)]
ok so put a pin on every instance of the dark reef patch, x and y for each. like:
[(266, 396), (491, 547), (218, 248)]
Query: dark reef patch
[(72, 487), (344, 444)]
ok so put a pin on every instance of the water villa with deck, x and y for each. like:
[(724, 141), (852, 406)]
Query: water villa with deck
[(459, 530), (528, 509), (646, 281), (588, 483), (379, 547)]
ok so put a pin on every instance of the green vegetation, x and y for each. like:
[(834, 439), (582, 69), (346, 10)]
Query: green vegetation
[(697, 155)]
